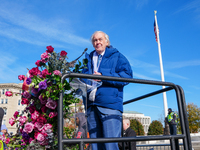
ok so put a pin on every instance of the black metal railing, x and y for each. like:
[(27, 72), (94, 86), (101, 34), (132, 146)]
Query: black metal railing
[(185, 136), (157, 146)]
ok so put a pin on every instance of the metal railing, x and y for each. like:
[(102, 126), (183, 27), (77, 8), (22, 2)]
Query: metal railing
[(157, 147), (185, 136)]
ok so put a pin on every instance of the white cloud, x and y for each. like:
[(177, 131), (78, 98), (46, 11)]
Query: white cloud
[(189, 63), (32, 29), (140, 76), (191, 5), (151, 106)]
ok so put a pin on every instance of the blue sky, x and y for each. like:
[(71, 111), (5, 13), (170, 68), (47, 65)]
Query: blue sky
[(27, 27)]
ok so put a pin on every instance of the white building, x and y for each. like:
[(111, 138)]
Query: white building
[(144, 120), (10, 104)]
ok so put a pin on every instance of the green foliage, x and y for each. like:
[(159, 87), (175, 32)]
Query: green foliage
[(137, 127), (193, 115), (155, 128), (178, 124)]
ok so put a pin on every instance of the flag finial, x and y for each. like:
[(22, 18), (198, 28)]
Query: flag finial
[(155, 11)]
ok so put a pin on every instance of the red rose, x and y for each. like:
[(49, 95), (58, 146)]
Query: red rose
[(32, 109), (24, 101), (63, 53), (38, 63), (34, 71), (21, 77), (44, 109), (16, 114), (41, 119), (45, 72), (50, 49)]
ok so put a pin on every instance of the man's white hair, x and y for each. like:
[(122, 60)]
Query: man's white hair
[(106, 36), (127, 121)]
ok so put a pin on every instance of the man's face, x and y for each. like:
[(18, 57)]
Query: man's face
[(125, 125), (99, 42)]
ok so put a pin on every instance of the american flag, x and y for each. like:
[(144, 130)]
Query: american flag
[(155, 31)]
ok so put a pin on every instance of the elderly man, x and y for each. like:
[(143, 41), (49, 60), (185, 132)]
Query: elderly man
[(127, 132), (105, 104)]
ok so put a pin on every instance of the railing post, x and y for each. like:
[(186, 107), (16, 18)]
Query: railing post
[(60, 119), (81, 145), (172, 143)]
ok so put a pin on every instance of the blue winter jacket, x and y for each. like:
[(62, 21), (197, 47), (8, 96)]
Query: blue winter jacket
[(110, 93)]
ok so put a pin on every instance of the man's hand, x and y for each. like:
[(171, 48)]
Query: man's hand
[(97, 73)]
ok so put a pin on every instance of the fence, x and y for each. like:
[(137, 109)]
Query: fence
[(157, 147), (174, 144)]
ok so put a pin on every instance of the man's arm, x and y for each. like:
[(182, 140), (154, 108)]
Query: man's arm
[(122, 69)]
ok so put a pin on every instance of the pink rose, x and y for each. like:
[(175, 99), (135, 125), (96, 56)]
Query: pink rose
[(38, 63), (8, 93), (24, 101), (50, 49), (39, 136), (26, 94), (46, 127), (11, 121), (22, 119), (63, 53), (35, 115), (52, 114), (38, 125), (45, 142), (45, 72), (57, 72), (45, 57), (28, 127), (16, 114), (21, 77), (51, 104)]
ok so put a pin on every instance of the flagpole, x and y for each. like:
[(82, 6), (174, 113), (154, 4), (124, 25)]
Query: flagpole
[(161, 67)]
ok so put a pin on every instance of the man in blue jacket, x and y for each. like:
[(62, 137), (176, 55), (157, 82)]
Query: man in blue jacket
[(105, 104)]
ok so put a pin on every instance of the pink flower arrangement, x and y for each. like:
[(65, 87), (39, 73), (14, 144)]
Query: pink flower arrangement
[(41, 88)]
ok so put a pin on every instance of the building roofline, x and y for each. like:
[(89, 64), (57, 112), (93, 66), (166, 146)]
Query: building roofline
[(11, 85), (132, 112)]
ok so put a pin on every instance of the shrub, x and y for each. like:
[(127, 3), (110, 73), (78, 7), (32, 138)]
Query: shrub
[(137, 127), (155, 128)]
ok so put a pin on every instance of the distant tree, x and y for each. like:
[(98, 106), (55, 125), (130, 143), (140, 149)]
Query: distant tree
[(137, 127), (193, 114), (178, 124), (155, 128)]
